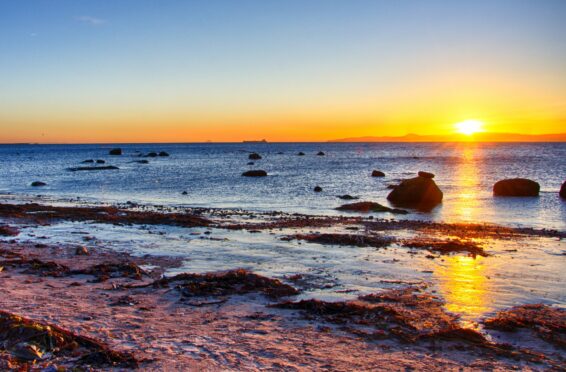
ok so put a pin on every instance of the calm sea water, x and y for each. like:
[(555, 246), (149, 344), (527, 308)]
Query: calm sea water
[(211, 176)]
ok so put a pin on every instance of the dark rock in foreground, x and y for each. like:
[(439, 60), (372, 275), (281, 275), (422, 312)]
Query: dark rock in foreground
[(516, 187), (38, 184), (367, 207), (426, 174), (563, 190), (108, 167), (254, 156), (419, 192), (255, 173), (377, 173), (115, 152), (317, 189)]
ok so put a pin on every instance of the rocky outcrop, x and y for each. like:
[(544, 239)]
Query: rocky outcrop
[(377, 173), (116, 151), (255, 173), (516, 187), (38, 184), (254, 156), (419, 192)]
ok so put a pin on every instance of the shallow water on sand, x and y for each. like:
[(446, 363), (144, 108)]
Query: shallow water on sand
[(211, 176)]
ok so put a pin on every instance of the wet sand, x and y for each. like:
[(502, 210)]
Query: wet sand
[(245, 321)]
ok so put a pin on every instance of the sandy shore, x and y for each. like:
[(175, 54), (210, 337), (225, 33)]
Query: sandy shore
[(243, 321)]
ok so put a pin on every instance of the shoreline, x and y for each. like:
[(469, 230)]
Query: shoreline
[(223, 326)]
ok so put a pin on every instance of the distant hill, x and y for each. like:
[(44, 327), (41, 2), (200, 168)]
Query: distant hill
[(478, 137)]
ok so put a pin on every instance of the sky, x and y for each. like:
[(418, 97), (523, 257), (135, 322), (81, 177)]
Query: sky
[(76, 71)]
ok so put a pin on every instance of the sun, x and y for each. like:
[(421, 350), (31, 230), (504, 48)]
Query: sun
[(469, 127)]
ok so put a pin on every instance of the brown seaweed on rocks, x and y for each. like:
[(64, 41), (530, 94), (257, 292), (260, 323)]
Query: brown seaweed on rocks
[(231, 282), (44, 214), (37, 267), (366, 207), (446, 246), (9, 231), (549, 323), (26, 344), (345, 239), (110, 270)]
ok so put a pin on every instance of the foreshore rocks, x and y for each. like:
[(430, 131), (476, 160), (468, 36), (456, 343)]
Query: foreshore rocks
[(255, 173), (38, 184), (420, 192), (516, 187), (115, 152), (366, 207), (563, 191), (377, 173)]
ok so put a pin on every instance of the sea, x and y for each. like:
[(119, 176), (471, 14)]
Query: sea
[(209, 175)]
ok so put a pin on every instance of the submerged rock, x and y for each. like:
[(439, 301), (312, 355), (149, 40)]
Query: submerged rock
[(563, 190), (317, 189), (38, 184), (516, 187), (419, 192), (254, 156), (370, 207), (255, 173), (377, 173), (116, 151)]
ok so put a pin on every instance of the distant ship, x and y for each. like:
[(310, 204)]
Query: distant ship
[(262, 141)]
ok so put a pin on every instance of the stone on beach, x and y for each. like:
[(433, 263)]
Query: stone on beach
[(377, 173), (38, 184), (516, 187), (116, 151), (255, 173), (419, 192)]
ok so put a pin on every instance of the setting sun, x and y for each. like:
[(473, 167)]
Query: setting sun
[(469, 127)]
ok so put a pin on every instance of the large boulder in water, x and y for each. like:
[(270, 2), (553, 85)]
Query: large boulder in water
[(255, 173), (419, 192), (254, 156), (38, 184), (563, 191), (115, 152), (377, 173), (516, 187)]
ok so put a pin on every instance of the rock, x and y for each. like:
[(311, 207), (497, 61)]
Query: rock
[(38, 184), (142, 161), (426, 174), (370, 207), (347, 197), (163, 153), (320, 153), (391, 187), (563, 191), (184, 193), (81, 251), (317, 189), (27, 351), (254, 156), (108, 167), (419, 192), (100, 161), (9, 231), (117, 151), (301, 153), (377, 173), (151, 155), (255, 173), (516, 187), (87, 161), (251, 163)]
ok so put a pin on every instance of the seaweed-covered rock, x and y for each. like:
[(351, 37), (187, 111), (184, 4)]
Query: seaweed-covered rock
[(115, 152), (377, 173), (516, 187), (255, 173), (419, 192), (366, 207), (344, 239)]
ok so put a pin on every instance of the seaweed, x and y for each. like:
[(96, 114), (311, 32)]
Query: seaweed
[(446, 246), (345, 239)]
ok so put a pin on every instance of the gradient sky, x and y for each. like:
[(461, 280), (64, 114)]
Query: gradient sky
[(183, 71)]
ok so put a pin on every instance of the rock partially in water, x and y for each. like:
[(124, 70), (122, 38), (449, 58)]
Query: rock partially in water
[(116, 151), (563, 191), (251, 163), (377, 173), (426, 174), (100, 161), (6, 230), (516, 187), (38, 184), (151, 155), (320, 153), (367, 207), (163, 153), (317, 189), (419, 192), (87, 161), (347, 197), (143, 161), (301, 153), (254, 156), (255, 173), (108, 167)]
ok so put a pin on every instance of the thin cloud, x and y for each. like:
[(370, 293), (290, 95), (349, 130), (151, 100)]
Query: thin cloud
[(93, 21)]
